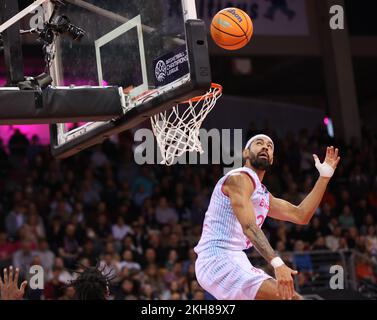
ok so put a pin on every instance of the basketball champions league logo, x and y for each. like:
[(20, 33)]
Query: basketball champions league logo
[(171, 66), (160, 71)]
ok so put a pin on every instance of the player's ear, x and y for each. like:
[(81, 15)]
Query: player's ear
[(246, 153)]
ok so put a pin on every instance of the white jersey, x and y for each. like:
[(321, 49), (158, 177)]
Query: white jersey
[(221, 229)]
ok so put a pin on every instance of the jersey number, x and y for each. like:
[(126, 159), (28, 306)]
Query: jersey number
[(260, 220)]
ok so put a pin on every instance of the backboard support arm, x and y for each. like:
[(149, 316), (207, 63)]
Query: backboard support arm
[(17, 16), (11, 42)]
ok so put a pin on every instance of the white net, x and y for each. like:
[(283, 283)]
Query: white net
[(177, 130)]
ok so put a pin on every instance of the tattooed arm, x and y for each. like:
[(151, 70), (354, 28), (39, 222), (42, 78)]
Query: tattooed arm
[(239, 188)]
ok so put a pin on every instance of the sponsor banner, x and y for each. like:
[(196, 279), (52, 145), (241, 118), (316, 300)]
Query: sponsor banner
[(270, 17), (171, 66)]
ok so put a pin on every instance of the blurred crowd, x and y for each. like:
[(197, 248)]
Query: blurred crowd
[(140, 223)]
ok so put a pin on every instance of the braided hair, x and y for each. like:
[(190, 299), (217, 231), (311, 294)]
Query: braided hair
[(91, 284)]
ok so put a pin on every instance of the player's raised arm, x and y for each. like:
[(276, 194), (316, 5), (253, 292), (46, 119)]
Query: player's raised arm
[(301, 214), (239, 189)]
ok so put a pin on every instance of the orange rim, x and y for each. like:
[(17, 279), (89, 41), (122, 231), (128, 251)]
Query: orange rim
[(217, 89)]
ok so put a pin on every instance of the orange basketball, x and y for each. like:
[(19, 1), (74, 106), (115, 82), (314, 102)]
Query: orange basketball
[(231, 28)]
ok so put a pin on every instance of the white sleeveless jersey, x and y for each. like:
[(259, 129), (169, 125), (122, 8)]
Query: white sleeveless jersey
[(221, 229)]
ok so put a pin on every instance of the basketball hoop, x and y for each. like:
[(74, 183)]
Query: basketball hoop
[(177, 130)]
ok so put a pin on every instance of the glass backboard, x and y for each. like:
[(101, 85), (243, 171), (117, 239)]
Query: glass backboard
[(155, 50)]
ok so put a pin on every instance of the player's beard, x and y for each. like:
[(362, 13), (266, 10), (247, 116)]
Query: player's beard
[(259, 163)]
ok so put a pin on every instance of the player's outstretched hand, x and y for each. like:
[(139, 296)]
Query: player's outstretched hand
[(286, 288), (327, 168), (332, 158), (9, 287)]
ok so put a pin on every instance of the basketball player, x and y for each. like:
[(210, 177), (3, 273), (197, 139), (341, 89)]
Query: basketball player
[(91, 284), (239, 205)]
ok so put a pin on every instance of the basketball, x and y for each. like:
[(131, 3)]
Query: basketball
[(231, 29)]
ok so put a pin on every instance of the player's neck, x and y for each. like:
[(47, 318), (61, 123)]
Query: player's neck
[(260, 173)]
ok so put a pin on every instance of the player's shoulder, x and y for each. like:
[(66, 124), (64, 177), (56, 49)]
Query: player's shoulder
[(247, 172), (240, 178), (241, 170)]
